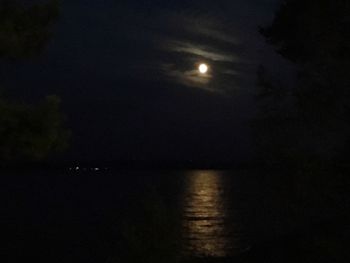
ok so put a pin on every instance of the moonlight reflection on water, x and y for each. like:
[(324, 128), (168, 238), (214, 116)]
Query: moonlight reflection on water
[(205, 215)]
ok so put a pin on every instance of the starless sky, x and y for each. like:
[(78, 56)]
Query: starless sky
[(127, 75)]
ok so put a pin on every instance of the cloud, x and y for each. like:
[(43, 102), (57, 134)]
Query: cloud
[(187, 39), (170, 40), (215, 34), (200, 51), (190, 78)]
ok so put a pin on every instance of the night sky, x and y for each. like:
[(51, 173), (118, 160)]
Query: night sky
[(127, 75)]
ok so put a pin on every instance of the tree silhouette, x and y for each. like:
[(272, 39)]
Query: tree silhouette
[(28, 132), (25, 30), (304, 128), (315, 36)]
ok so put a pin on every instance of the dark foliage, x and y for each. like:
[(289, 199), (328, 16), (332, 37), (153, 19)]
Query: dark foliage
[(309, 124), (311, 30), (305, 128), (31, 132), (28, 132), (25, 30)]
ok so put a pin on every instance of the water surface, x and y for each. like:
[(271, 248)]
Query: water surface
[(72, 217), (210, 224)]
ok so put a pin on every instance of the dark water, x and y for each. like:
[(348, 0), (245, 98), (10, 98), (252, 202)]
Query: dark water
[(72, 217)]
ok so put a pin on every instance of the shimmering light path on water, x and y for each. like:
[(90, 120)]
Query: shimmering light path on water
[(208, 222)]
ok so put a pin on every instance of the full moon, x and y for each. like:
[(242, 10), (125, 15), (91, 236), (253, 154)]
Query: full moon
[(203, 68)]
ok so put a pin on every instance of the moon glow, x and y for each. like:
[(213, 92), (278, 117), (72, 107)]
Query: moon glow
[(203, 68)]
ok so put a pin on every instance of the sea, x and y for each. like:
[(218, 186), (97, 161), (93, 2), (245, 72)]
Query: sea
[(84, 216)]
